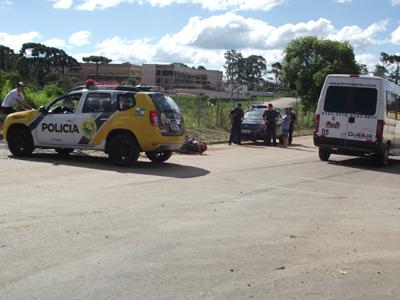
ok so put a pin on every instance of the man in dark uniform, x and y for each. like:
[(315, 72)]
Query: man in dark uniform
[(291, 124), (270, 117), (236, 116)]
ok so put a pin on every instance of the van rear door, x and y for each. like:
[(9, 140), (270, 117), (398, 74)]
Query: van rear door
[(350, 110)]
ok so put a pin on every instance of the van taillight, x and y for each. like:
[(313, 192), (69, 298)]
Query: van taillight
[(317, 118), (154, 118), (379, 130)]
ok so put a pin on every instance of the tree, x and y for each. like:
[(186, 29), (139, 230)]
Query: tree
[(363, 69), (180, 64), (307, 62), (239, 69), (380, 71), (254, 70), (233, 66), (393, 63), (97, 60), (39, 62), (276, 71), (7, 58), (201, 68)]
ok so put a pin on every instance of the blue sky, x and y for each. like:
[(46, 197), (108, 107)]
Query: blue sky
[(198, 32)]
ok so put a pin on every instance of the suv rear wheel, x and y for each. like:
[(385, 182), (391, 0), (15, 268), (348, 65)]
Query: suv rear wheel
[(324, 154), (20, 141), (123, 150), (159, 157)]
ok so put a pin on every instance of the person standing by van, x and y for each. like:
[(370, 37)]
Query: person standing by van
[(270, 117), (14, 98), (286, 120), (293, 118), (236, 117)]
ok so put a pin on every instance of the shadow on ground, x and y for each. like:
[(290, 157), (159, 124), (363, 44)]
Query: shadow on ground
[(294, 146), (365, 163), (103, 163)]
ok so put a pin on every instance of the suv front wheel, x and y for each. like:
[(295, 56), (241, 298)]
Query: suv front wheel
[(159, 157), (123, 150), (20, 142)]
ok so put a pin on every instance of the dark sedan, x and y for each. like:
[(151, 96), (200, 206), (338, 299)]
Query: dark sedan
[(253, 126)]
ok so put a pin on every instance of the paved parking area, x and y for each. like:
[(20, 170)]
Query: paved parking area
[(238, 222)]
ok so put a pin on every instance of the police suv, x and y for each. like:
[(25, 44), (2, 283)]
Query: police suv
[(358, 115), (121, 121)]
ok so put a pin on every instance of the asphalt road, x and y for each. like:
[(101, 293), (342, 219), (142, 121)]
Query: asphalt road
[(239, 222)]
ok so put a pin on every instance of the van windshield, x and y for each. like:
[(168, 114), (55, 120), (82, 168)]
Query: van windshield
[(351, 100)]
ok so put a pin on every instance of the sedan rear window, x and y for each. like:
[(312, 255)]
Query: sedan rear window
[(351, 100)]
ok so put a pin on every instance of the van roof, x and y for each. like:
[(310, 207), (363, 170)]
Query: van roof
[(354, 76)]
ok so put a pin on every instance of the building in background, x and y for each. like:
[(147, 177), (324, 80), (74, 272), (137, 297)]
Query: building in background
[(168, 76), (176, 76), (116, 73)]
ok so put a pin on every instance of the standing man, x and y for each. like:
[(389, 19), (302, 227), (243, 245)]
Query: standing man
[(14, 97), (291, 124), (270, 117), (236, 116)]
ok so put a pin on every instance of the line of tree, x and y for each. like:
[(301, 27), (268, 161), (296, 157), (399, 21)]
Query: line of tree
[(307, 62), (390, 67), (98, 60), (36, 62), (244, 70)]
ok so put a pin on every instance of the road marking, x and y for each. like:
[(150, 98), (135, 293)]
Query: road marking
[(278, 187)]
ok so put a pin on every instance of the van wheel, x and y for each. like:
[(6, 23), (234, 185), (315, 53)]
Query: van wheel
[(64, 151), (382, 158), (159, 157), (324, 154), (20, 142), (123, 150)]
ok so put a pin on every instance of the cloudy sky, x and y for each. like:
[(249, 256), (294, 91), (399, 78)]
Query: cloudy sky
[(198, 32)]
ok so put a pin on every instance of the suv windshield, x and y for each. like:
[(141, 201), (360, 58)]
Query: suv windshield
[(352, 100)]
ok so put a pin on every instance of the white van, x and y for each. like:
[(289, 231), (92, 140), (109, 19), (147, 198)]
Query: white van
[(358, 115)]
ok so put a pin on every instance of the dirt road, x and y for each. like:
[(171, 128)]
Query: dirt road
[(239, 222)]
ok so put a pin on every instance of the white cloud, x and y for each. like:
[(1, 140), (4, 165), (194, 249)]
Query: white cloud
[(80, 38), (395, 2), (212, 5), (233, 31), (367, 59), (6, 2), (57, 43), (343, 1), (358, 37), (396, 36), (63, 4), (15, 41), (204, 41)]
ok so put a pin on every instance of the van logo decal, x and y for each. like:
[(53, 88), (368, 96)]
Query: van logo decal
[(332, 125), (360, 135)]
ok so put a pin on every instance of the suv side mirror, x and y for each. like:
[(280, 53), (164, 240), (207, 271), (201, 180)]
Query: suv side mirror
[(43, 109)]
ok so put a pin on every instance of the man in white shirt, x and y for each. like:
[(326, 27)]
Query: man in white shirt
[(14, 97)]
